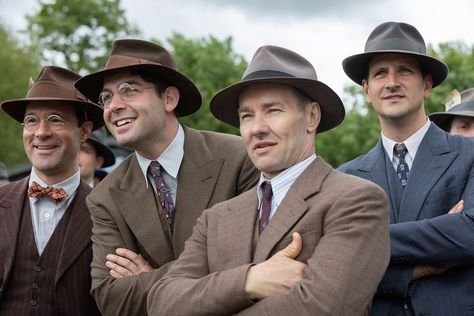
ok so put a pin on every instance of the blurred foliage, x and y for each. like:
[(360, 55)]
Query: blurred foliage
[(78, 33)]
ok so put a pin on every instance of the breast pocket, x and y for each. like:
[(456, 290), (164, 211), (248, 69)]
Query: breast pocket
[(440, 201)]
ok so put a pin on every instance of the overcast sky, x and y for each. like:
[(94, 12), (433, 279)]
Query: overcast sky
[(325, 32)]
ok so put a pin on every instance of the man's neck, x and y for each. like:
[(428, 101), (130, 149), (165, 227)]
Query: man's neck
[(399, 130)]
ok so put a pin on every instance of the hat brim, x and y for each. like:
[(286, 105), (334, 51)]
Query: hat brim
[(443, 119), (104, 151), (356, 66), (189, 96), (16, 109), (224, 104)]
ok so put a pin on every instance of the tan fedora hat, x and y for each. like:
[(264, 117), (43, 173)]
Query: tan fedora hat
[(136, 55), (55, 84), (273, 64), (394, 37), (462, 104)]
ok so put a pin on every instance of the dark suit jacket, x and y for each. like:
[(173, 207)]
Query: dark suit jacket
[(125, 213), (73, 282), (421, 231), (343, 222)]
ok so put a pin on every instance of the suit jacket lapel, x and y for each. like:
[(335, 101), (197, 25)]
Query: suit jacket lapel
[(292, 207), (236, 230), (10, 214), (432, 159), (136, 203), (78, 231)]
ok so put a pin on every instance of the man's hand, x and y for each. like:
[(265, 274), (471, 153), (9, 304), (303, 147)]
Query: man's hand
[(457, 208), (277, 274), (126, 263), (423, 271)]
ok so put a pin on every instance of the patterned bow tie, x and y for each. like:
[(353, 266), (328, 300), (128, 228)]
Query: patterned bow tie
[(37, 191)]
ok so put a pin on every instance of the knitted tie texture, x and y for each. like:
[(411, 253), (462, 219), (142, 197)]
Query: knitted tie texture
[(165, 194), (37, 191), (402, 167)]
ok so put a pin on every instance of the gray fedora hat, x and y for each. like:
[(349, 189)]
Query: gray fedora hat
[(463, 105), (394, 37), (273, 64), (135, 55), (98, 138)]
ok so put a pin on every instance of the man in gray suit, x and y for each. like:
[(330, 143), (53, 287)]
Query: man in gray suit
[(144, 210), (424, 171), (308, 240)]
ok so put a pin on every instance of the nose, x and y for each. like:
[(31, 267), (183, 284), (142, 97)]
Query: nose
[(259, 126), (43, 129), (392, 80)]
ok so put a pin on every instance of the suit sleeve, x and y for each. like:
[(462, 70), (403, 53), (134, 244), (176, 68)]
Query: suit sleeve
[(124, 296), (218, 293), (341, 276)]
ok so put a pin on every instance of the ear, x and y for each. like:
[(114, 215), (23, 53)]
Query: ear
[(99, 161), (85, 130), (365, 88), (428, 85), (171, 98), (313, 116)]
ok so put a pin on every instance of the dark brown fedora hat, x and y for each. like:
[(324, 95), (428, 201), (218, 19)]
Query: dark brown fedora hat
[(462, 105), (136, 55), (55, 84), (272, 64), (394, 37), (98, 139)]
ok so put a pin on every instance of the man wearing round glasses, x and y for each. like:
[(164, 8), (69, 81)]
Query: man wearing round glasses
[(45, 248), (144, 210)]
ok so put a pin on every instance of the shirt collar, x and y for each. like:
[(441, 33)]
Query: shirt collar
[(170, 159), (282, 182), (69, 185), (412, 143)]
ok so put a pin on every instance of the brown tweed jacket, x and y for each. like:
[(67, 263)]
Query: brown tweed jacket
[(343, 222), (72, 281), (125, 213)]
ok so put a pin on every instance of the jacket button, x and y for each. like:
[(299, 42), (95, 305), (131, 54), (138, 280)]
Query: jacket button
[(35, 286), (38, 269), (33, 302)]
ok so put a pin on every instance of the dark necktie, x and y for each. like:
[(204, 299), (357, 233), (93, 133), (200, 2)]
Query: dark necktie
[(402, 167), (165, 194), (266, 205), (37, 191)]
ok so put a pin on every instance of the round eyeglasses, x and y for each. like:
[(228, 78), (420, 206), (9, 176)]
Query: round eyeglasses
[(125, 91), (54, 122)]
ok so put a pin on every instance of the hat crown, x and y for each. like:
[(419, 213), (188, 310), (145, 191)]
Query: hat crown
[(466, 102), (55, 82), (128, 52), (396, 36), (273, 61)]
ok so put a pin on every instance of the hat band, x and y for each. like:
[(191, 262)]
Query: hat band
[(395, 44), (119, 61), (264, 74), (54, 89)]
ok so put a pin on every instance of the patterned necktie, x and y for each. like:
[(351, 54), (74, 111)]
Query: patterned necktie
[(402, 167), (37, 191), (165, 194), (266, 205)]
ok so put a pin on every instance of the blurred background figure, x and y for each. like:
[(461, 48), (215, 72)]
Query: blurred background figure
[(459, 116), (93, 156)]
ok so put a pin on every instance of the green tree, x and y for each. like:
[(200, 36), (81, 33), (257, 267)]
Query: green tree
[(212, 65), (78, 33), (18, 65), (360, 129)]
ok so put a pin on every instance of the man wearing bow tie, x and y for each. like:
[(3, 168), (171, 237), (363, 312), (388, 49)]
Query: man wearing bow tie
[(45, 249)]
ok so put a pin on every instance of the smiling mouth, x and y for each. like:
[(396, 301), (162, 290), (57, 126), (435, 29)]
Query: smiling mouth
[(123, 122), (44, 147)]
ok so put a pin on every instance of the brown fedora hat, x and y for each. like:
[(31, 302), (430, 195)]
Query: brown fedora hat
[(272, 64), (462, 105), (55, 84), (394, 37), (98, 138), (136, 55)]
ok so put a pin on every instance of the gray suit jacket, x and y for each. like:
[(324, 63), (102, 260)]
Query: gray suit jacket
[(343, 222), (421, 231), (125, 213)]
